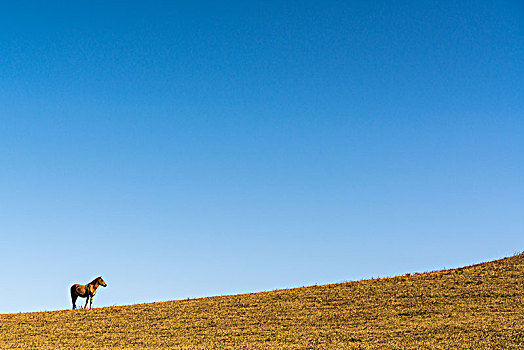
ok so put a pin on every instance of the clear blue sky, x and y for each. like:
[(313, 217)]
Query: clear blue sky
[(185, 150)]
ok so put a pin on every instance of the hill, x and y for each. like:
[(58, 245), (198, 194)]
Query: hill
[(475, 307)]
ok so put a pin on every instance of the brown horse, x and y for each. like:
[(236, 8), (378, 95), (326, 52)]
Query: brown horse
[(88, 291)]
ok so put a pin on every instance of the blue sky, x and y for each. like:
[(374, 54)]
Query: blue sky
[(187, 150)]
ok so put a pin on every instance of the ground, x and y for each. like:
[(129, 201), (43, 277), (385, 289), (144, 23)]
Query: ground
[(475, 307)]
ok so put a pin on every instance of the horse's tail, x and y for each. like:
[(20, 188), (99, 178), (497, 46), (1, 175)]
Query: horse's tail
[(74, 293)]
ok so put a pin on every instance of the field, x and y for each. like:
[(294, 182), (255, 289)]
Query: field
[(475, 307)]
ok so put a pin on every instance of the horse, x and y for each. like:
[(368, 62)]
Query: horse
[(88, 291)]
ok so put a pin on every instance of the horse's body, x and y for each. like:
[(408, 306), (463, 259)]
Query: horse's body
[(88, 291)]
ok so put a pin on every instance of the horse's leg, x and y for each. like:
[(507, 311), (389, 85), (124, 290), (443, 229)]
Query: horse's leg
[(91, 302), (87, 299), (73, 299), (73, 295)]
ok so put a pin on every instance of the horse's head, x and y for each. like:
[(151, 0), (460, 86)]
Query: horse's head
[(101, 282)]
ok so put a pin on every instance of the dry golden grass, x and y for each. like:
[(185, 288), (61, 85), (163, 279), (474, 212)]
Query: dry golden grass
[(475, 307)]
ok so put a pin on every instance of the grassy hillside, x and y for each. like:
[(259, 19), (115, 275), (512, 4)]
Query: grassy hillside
[(476, 307)]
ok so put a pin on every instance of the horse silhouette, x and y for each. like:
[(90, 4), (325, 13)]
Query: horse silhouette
[(88, 291)]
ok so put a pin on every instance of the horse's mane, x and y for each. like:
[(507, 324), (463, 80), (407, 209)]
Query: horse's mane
[(95, 280)]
